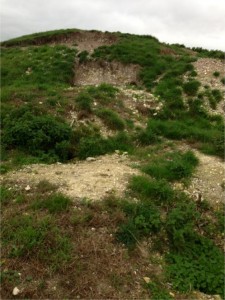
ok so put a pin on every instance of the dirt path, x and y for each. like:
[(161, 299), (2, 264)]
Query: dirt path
[(110, 174), (86, 179), (208, 179)]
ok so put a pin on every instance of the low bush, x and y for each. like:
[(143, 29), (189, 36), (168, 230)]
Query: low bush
[(173, 166), (55, 203), (83, 56), (191, 87), (218, 96), (37, 134), (193, 74), (97, 145), (216, 74), (223, 80), (111, 119), (84, 102), (180, 224), (146, 137), (158, 191), (6, 195), (142, 219), (158, 292), (198, 267), (204, 131)]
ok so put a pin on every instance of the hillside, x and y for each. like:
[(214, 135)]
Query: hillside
[(112, 173)]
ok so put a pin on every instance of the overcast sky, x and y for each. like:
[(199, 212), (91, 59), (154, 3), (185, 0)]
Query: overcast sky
[(190, 22)]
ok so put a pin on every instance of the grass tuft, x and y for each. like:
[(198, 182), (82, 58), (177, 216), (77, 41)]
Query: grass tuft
[(172, 166), (111, 119), (55, 203), (158, 191)]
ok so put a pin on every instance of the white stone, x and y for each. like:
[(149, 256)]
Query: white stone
[(90, 159), (16, 291), (27, 188)]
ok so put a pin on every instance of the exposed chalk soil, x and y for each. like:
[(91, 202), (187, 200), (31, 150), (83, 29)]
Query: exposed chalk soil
[(97, 72), (92, 180), (207, 182)]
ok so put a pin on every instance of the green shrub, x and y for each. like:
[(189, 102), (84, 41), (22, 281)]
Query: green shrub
[(158, 191), (37, 134), (6, 195), (55, 203), (193, 73), (196, 107), (209, 53), (83, 56), (204, 131), (223, 80), (216, 74), (200, 266), (180, 224), (111, 119), (44, 186), (146, 137), (191, 87), (173, 166), (97, 145), (158, 292), (84, 102), (142, 219), (218, 96)]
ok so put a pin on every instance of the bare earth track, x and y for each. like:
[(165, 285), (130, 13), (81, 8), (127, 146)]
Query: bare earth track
[(92, 180)]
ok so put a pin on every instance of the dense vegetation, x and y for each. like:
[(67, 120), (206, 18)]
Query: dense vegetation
[(45, 119)]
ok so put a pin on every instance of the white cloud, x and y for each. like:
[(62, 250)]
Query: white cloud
[(191, 22)]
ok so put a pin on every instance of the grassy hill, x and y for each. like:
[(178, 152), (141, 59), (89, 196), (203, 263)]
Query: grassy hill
[(70, 96)]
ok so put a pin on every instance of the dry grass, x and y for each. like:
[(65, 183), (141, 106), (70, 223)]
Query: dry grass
[(98, 267)]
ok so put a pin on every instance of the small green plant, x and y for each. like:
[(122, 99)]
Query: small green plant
[(216, 74), (142, 219), (44, 186), (79, 218), (218, 96), (83, 56), (223, 80), (146, 137), (198, 267), (55, 203), (111, 119), (10, 276), (6, 195), (158, 292), (158, 191), (193, 73), (173, 166), (84, 102), (191, 87), (180, 224)]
